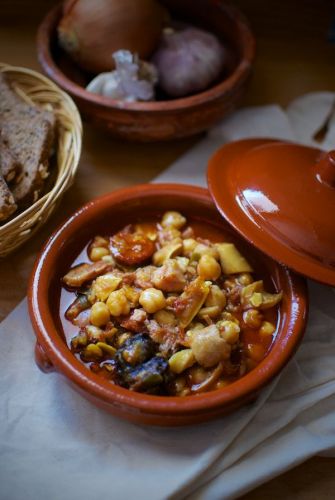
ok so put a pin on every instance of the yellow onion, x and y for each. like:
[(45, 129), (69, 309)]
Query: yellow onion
[(91, 31)]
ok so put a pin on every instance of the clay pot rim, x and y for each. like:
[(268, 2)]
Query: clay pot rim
[(64, 361), (239, 75)]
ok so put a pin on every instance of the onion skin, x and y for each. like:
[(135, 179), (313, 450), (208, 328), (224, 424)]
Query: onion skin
[(188, 61), (91, 31)]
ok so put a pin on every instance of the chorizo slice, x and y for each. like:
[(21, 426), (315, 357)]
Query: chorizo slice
[(131, 249)]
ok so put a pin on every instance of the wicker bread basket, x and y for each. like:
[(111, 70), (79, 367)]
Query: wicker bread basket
[(35, 88)]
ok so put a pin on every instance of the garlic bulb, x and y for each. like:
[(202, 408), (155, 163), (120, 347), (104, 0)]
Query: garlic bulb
[(132, 80), (188, 61), (90, 31)]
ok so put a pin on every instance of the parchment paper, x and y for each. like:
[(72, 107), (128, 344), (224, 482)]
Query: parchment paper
[(55, 445)]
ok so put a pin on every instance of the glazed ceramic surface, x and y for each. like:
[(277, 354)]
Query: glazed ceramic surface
[(281, 197), (161, 120), (110, 213)]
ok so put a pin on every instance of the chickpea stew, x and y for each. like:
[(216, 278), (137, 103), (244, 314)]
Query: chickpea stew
[(156, 308)]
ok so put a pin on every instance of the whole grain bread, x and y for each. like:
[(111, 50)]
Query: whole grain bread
[(28, 131), (7, 202), (10, 167)]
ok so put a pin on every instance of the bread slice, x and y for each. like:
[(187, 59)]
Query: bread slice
[(7, 202), (29, 134), (31, 144), (9, 98), (10, 167)]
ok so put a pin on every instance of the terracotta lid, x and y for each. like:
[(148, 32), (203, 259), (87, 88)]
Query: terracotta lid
[(280, 196)]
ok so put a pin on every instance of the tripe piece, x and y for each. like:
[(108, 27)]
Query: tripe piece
[(232, 262), (191, 300)]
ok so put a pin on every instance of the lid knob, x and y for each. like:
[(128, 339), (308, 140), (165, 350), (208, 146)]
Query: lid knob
[(325, 169)]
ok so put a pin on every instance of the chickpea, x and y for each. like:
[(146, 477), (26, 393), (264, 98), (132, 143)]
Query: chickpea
[(109, 258), (117, 303), (227, 316), (229, 331), (97, 253), (169, 234), (160, 256), (91, 353), (202, 249), (99, 315), (174, 219), (152, 300), (189, 245), (267, 329), (216, 297), (256, 352), (208, 268), (253, 318), (181, 360)]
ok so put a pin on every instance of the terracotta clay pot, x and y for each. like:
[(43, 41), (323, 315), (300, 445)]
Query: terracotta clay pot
[(107, 214), (165, 119)]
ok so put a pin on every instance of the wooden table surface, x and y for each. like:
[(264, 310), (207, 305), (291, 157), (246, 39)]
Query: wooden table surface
[(295, 55)]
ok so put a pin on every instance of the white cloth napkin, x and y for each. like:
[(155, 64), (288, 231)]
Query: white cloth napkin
[(56, 445)]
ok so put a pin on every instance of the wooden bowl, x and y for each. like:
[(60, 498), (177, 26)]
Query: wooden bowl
[(35, 88), (166, 119), (108, 214)]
